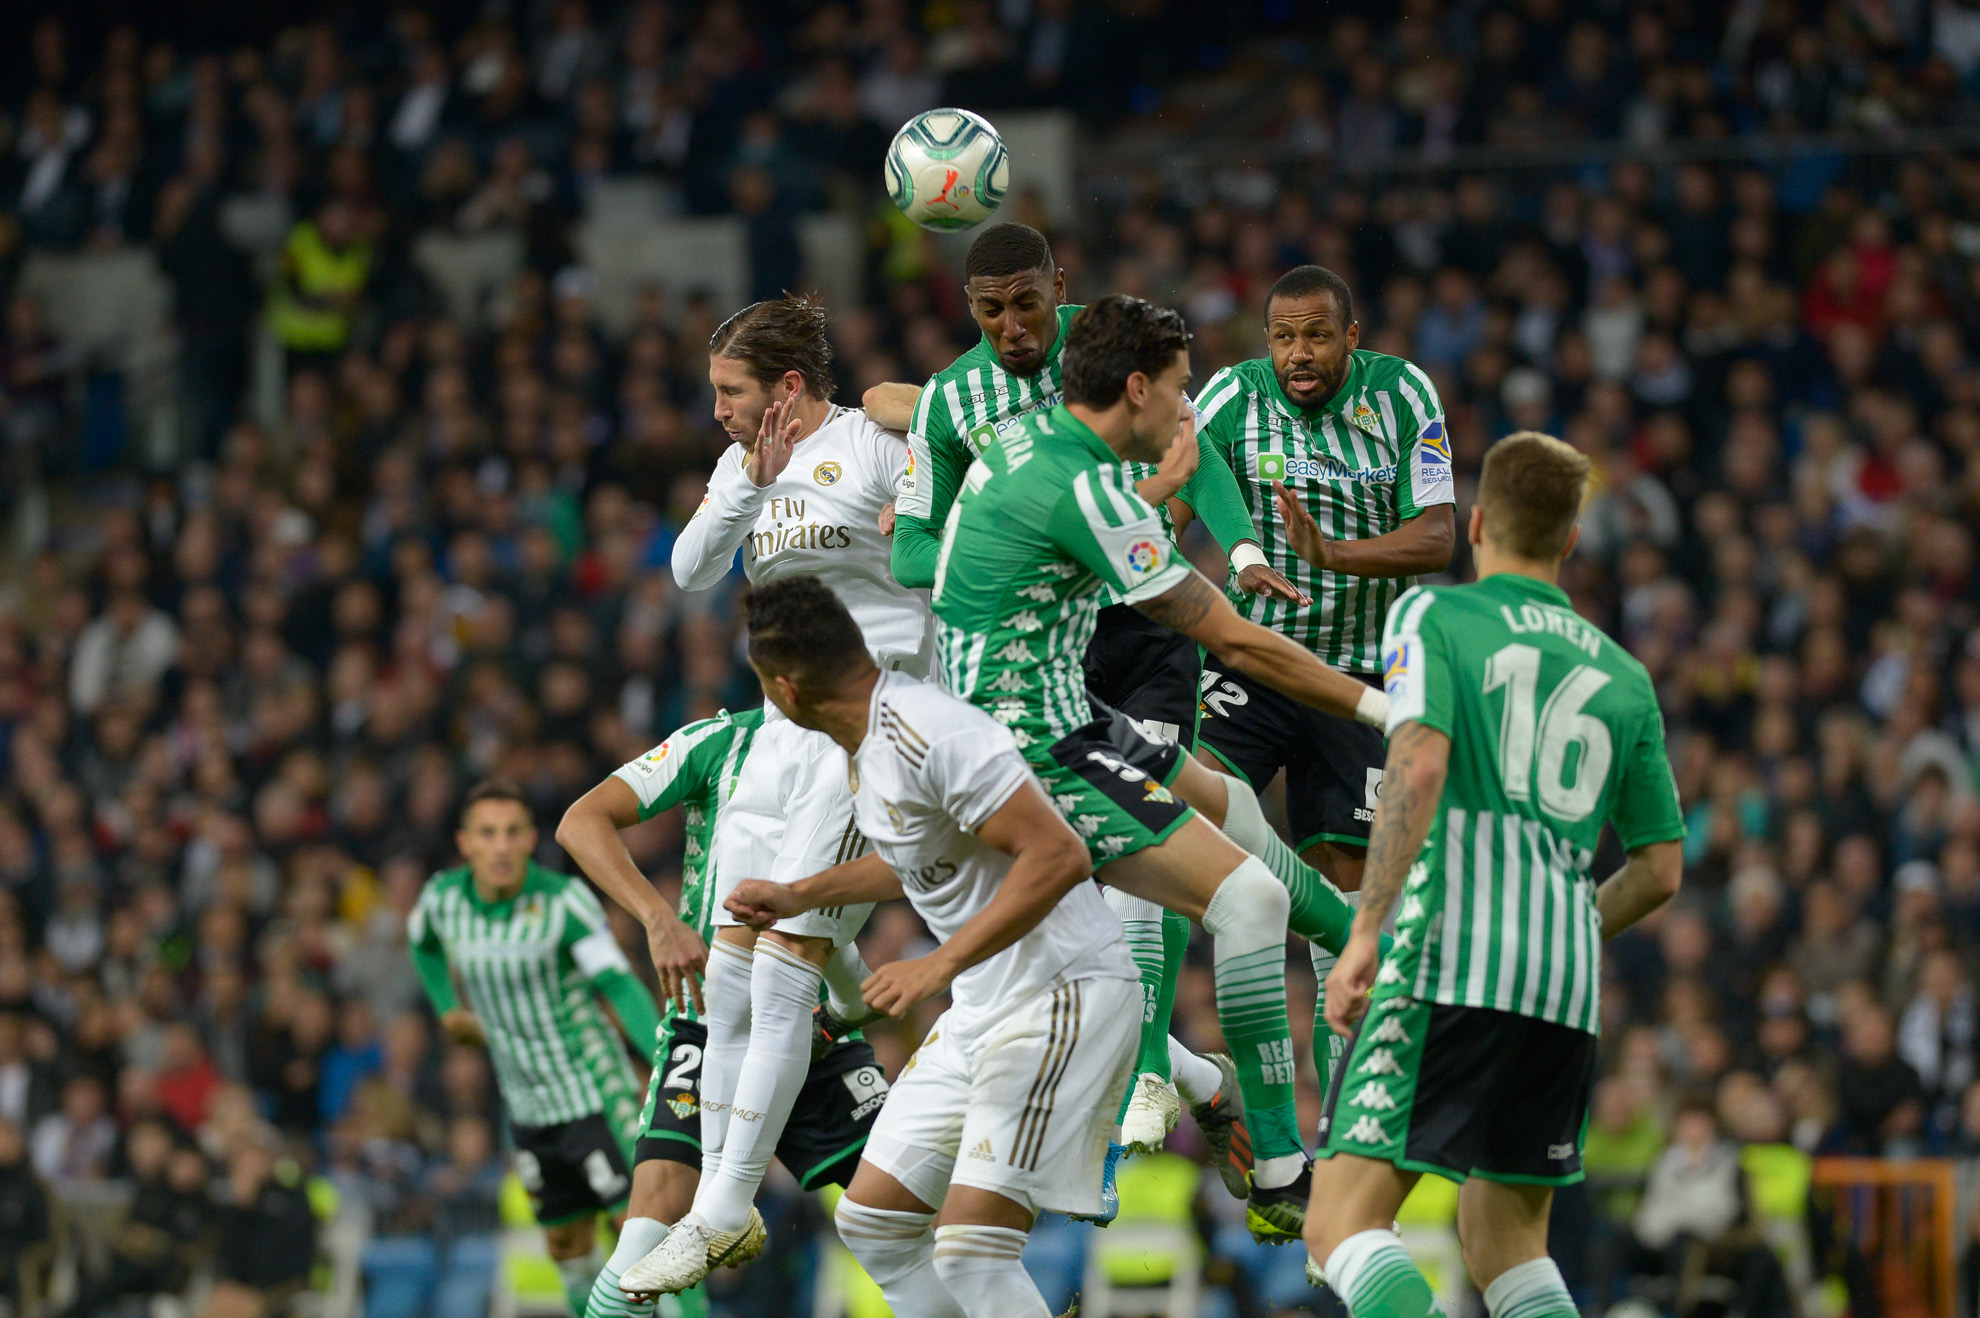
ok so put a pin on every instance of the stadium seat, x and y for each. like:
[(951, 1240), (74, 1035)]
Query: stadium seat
[(1149, 1262)]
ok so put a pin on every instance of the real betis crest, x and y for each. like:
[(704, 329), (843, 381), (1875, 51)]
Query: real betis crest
[(684, 1104), (1364, 416)]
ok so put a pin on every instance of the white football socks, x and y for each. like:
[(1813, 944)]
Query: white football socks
[(984, 1271), (844, 973), (783, 991), (639, 1237), (725, 994), (1197, 1079)]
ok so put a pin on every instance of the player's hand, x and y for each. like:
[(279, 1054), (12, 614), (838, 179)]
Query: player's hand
[(774, 440), (887, 518), (463, 1026), (898, 986), (1176, 467), (1302, 532), (1260, 579), (680, 958), (760, 903), (1347, 987)]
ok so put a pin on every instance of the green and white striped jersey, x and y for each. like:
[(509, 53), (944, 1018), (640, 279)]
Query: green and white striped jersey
[(695, 768), (528, 965), (1554, 731), (1047, 521), (1371, 458)]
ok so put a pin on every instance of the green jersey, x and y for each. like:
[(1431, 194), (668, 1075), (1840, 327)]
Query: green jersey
[(530, 966), (1554, 731), (695, 768), (1372, 457), (1047, 521), (965, 408)]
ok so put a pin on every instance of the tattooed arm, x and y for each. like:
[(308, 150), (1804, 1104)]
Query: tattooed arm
[(1412, 785), (1199, 611)]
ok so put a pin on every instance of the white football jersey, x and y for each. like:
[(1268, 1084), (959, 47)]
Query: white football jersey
[(822, 516), (931, 770)]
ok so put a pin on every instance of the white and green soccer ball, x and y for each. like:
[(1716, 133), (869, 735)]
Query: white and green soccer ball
[(947, 169)]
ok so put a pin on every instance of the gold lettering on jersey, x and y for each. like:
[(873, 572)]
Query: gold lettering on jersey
[(805, 535), (1553, 621)]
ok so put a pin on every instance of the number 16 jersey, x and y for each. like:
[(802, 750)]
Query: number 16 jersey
[(1555, 731)]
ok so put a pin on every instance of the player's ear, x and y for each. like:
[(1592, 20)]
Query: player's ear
[(1354, 335), (1574, 538), (1474, 534), (1058, 285)]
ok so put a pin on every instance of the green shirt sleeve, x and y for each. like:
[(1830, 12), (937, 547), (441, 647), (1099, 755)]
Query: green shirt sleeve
[(937, 459), (1213, 493), (1416, 671), (638, 1015), (1647, 809), (429, 959), (678, 768), (1113, 532)]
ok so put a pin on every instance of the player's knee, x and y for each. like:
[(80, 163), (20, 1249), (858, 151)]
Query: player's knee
[(1249, 902), (882, 1239)]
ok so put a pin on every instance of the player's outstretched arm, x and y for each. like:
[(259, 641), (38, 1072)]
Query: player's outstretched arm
[(1199, 611), (1049, 862), (1421, 545), (891, 404), (760, 903), (1648, 878), (1412, 783), (589, 833)]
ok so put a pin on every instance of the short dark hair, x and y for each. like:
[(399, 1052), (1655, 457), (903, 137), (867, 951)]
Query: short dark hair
[(1112, 339), (1531, 490), (1306, 280), (1007, 249), (780, 334), (494, 789), (798, 628)]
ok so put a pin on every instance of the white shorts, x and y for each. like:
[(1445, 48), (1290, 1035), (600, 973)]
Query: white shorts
[(1024, 1110), (790, 817)]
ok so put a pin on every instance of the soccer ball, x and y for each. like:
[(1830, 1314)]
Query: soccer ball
[(947, 169)]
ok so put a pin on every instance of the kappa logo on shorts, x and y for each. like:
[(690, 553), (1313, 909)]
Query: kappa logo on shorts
[(1366, 1130), (1381, 1062), (1110, 846), (1388, 974), (1559, 1152), (1374, 1096)]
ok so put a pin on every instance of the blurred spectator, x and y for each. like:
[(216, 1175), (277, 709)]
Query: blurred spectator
[(75, 1142), (165, 1231), (27, 1224), (267, 1234), (1882, 1102)]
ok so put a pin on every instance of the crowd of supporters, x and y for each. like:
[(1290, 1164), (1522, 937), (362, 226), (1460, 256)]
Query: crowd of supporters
[(240, 695)]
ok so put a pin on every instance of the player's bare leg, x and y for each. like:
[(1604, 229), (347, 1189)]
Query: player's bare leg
[(574, 1248), (1503, 1230), (1350, 1236)]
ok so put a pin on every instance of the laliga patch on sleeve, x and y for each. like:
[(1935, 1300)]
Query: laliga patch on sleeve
[(1143, 557)]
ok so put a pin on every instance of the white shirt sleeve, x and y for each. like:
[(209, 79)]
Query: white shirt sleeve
[(708, 543), (887, 455), (974, 770)]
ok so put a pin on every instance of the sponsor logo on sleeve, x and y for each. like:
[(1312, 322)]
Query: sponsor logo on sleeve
[(1436, 445), (1396, 666)]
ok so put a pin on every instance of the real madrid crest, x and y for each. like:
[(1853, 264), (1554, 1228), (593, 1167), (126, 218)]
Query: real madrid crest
[(826, 473)]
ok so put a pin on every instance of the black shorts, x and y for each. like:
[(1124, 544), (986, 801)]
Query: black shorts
[(1463, 1091), (572, 1170), (1111, 782), (829, 1124), (1333, 765), (1146, 671)]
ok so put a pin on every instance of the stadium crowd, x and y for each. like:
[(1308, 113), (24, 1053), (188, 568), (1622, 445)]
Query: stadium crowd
[(239, 698)]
